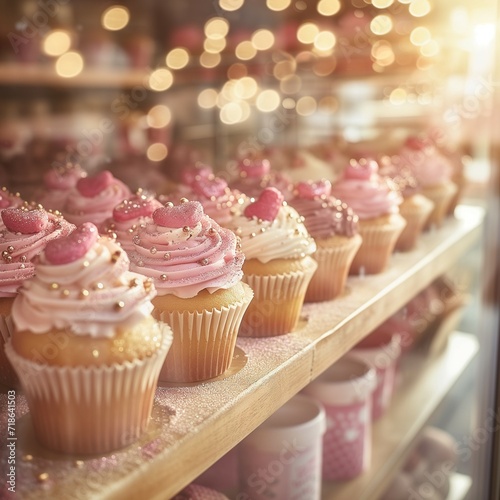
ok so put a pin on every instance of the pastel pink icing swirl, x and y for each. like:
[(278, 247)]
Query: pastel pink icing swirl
[(368, 194), (429, 166), (324, 215), (18, 249), (185, 252), (88, 289), (58, 183), (80, 207), (128, 216)]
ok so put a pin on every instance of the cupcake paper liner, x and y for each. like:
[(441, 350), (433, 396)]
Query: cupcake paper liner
[(415, 217), (277, 303), (89, 410), (333, 266), (375, 251), (204, 342), (8, 376)]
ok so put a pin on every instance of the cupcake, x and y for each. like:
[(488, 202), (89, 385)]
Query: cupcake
[(196, 267), (255, 174), (24, 235), (128, 216), (433, 172), (278, 265), (376, 202), (334, 227), (415, 207), (85, 346), (94, 198), (213, 193), (58, 183)]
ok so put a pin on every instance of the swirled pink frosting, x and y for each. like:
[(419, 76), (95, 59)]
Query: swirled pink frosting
[(128, 216), (93, 198), (90, 289), (324, 215), (18, 249), (367, 193), (58, 183), (400, 174), (185, 251), (429, 166)]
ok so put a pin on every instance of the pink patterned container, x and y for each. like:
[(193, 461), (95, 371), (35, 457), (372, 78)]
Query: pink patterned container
[(382, 352), (345, 390), (282, 458)]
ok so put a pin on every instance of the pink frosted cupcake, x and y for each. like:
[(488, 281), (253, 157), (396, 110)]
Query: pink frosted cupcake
[(198, 492), (278, 266), (255, 174), (94, 198), (214, 194), (58, 183), (128, 216), (376, 202), (334, 227), (196, 267), (415, 208), (24, 235), (85, 346), (433, 172)]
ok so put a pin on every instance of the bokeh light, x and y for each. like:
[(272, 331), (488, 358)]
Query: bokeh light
[(56, 43), (115, 18), (69, 65)]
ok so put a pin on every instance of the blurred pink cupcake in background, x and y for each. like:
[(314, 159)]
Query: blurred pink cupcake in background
[(376, 201), (415, 208), (433, 172), (334, 227), (255, 174), (128, 216), (94, 198), (198, 492), (58, 183)]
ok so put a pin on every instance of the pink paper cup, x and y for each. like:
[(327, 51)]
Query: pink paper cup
[(345, 391), (282, 458), (381, 351)]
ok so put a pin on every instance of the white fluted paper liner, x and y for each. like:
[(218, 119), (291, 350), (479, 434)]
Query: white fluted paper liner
[(8, 376), (333, 266), (204, 342), (87, 410), (378, 244), (277, 303)]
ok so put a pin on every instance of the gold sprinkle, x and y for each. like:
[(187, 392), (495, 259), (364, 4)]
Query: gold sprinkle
[(10, 249), (98, 286), (153, 250), (22, 266), (163, 277), (135, 282), (166, 256), (5, 254), (23, 258), (8, 258), (204, 262), (86, 263), (28, 458), (183, 200), (44, 476), (95, 353), (65, 293), (211, 231), (119, 305), (54, 286), (186, 229), (84, 293), (252, 235)]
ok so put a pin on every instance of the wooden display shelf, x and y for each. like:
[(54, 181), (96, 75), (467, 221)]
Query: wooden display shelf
[(193, 426), (425, 381)]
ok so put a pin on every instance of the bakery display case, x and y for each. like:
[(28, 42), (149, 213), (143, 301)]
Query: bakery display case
[(149, 92)]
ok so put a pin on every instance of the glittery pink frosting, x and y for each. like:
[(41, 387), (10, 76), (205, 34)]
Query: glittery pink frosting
[(367, 193), (128, 216), (7, 200), (18, 249), (87, 289), (185, 251), (58, 183), (81, 207), (324, 215), (428, 165)]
